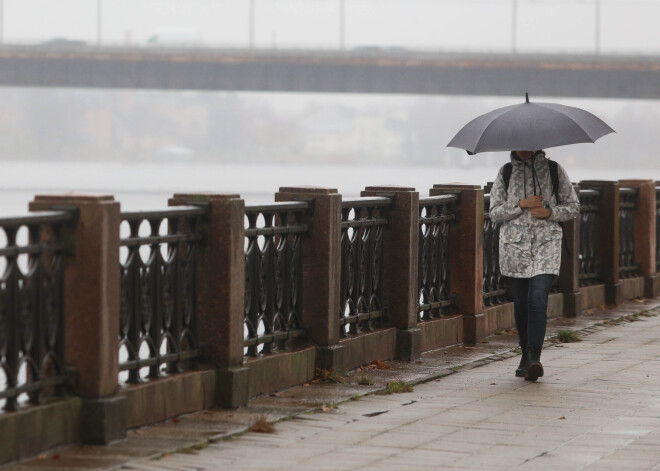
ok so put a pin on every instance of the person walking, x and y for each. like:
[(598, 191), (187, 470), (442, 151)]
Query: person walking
[(530, 195)]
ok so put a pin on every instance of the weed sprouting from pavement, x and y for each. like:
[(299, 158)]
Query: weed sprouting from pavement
[(262, 425), (365, 381), (398, 387), (568, 336)]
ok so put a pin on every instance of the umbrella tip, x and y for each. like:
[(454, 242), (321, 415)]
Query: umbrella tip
[(526, 97)]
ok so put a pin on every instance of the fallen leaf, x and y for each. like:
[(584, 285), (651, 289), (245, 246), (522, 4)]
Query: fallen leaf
[(175, 420), (57, 456), (418, 362), (562, 418), (42, 457), (493, 384), (305, 385)]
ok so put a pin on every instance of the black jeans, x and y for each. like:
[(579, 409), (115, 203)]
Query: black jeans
[(530, 305)]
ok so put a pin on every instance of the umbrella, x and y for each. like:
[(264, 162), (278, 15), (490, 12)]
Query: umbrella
[(529, 126)]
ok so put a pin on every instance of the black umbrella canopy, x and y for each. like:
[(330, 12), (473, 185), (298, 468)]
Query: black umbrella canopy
[(529, 126)]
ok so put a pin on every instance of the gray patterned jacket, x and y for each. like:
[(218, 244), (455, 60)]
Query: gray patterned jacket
[(531, 246)]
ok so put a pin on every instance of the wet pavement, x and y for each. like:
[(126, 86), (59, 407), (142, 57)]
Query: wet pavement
[(598, 407)]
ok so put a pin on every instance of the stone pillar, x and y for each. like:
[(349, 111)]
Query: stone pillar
[(466, 258), (91, 310), (221, 291), (644, 221), (400, 267), (606, 237), (569, 273), (321, 268)]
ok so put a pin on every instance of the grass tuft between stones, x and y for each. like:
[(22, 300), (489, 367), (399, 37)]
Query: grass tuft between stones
[(397, 387), (568, 336)]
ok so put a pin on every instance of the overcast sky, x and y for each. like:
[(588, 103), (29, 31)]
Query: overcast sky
[(547, 25)]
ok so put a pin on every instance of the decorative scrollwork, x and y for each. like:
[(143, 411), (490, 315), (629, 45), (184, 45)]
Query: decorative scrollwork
[(627, 205), (361, 298), (494, 289), (435, 216), (273, 277), (158, 325), (589, 206), (31, 316)]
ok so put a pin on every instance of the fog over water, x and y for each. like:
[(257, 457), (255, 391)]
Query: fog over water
[(142, 146)]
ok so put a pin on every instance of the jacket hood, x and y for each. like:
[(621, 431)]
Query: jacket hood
[(539, 155)]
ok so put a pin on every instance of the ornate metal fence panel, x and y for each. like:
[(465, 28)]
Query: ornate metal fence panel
[(628, 199), (158, 322), (589, 207), (31, 318), (435, 215), (657, 226), (494, 289), (363, 222), (273, 276)]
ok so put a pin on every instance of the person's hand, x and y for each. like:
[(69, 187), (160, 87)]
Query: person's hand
[(541, 213), (534, 201)]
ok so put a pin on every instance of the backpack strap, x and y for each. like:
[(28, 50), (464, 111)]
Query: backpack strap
[(554, 176), (506, 175)]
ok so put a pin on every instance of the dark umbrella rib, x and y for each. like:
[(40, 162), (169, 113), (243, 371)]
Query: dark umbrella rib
[(456, 141), (583, 120), (483, 133)]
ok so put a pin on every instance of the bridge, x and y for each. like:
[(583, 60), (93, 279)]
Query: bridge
[(360, 70)]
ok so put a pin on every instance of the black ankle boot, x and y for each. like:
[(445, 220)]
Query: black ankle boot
[(534, 366), (521, 371)]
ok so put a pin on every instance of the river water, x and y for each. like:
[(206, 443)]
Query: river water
[(149, 185)]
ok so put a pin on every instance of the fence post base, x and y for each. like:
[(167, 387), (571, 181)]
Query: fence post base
[(408, 344), (103, 420), (651, 286), (572, 304), (613, 294), (232, 386), (330, 357), (475, 327)]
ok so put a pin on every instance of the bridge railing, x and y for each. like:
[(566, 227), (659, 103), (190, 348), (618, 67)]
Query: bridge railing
[(32, 366)]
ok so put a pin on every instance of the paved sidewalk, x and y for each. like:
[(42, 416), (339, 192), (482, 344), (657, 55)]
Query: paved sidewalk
[(598, 407)]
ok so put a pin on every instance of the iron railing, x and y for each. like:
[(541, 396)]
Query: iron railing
[(31, 312), (363, 222), (589, 208), (273, 276), (628, 200), (158, 321), (435, 215), (657, 227), (494, 289)]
